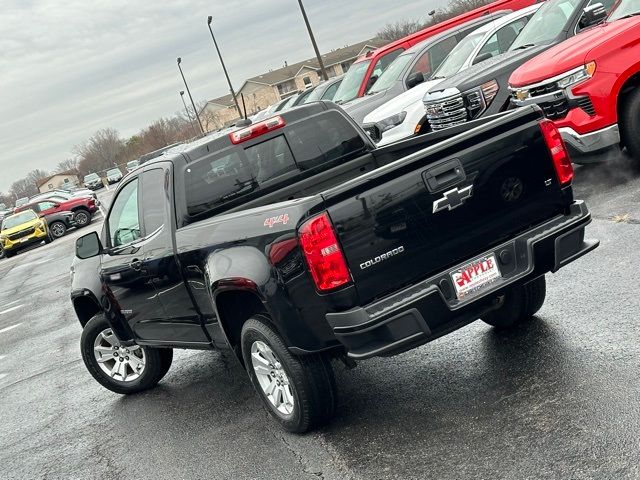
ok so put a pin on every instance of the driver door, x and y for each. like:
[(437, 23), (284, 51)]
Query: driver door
[(131, 292)]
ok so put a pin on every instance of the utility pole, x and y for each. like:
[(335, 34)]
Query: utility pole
[(188, 114), (224, 68), (195, 111), (313, 41)]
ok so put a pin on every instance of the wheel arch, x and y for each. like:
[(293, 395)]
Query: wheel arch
[(86, 308)]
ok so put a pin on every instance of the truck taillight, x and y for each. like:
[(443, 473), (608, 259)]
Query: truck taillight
[(257, 129), (558, 151), (323, 253)]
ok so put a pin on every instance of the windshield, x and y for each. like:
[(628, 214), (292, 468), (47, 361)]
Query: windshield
[(91, 176), (624, 9), (546, 24), (391, 73), (18, 219), (456, 58), (351, 83), (114, 171)]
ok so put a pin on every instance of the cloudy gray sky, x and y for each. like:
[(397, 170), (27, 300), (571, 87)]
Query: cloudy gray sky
[(71, 67)]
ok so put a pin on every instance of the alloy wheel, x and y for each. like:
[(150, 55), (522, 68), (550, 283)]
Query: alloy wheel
[(124, 364), (272, 378), (81, 218), (57, 230)]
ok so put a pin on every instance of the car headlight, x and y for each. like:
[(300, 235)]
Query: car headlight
[(479, 99), (392, 121), (577, 75), (41, 225)]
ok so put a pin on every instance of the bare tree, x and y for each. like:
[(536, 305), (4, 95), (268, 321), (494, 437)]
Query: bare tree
[(400, 29), (101, 152), (68, 165)]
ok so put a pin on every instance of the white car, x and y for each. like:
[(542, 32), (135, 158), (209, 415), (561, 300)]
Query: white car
[(404, 115)]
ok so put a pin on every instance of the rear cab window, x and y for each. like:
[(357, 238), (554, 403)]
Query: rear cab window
[(242, 172)]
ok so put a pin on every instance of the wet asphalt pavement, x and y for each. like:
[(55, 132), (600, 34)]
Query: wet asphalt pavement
[(557, 398)]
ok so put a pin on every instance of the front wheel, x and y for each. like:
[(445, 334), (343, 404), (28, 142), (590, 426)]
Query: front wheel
[(519, 304), (57, 230), (299, 391), (121, 369), (630, 124), (82, 218)]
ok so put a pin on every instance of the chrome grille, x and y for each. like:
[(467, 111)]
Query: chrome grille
[(446, 113)]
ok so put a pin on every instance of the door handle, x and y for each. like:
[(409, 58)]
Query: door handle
[(136, 264), (443, 175)]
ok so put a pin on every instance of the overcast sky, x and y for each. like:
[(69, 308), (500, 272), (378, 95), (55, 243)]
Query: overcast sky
[(71, 67)]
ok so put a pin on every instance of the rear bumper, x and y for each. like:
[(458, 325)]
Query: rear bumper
[(427, 310)]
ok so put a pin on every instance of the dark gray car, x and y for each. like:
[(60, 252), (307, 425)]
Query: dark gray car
[(413, 67)]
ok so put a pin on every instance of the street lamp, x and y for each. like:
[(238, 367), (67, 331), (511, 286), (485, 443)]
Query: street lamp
[(313, 41), (226, 74), (188, 114), (189, 93)]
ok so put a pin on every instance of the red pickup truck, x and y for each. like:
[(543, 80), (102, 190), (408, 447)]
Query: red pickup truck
[(589, 86), (82, 207), (367, 69)]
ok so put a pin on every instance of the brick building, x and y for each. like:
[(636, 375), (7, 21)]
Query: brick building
[(268, 88)]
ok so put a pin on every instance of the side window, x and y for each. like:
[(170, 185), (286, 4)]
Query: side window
[(440, 50), (383, 62), (124, 220), (154, 199), (503, 38), (45, 206), (331, 91)]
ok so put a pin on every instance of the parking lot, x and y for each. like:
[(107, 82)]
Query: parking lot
[(558, 398)]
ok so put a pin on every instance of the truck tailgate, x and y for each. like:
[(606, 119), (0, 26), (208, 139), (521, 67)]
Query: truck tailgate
[(445, 204)]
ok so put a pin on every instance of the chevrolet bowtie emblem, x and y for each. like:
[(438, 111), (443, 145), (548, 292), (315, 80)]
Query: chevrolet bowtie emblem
[(453, 199), (522, 94)]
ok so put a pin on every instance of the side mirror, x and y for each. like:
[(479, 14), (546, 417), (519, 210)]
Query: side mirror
[(414, 79), (372, 79), (592, 15), (88, 246), (481, 58)]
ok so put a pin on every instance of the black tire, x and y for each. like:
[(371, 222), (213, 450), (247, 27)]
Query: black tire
[(311, 379), (57, 230), (520, 304), (48, 239), (82, 217), (157, 362), (629, 123)]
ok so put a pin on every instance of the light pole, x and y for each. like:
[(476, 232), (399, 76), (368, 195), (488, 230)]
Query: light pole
[(188, 114), (226, 74), (313, 41), (189, 93)]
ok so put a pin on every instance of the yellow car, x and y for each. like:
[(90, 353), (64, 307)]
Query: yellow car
[(22, 229)]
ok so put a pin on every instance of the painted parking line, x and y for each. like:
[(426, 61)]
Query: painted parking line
[(6, 305), (6, 329), (10, 310)]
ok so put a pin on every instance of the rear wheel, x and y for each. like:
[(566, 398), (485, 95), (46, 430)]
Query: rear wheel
[(82, 218), (519, 304), (630, 124), (121, 369), (299, 391), (57, 229)]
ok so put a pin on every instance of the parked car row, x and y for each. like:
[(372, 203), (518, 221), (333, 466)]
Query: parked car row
[(576, 59)]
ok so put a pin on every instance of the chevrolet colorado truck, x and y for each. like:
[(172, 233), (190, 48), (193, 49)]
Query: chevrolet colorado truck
[(589, 86), (483, 89), (294, 241)]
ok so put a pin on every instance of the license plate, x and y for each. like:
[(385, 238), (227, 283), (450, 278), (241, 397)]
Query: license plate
[(23, 240), (473, 277)]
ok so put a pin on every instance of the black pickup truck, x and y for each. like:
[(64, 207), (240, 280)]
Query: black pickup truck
[(294, 241)]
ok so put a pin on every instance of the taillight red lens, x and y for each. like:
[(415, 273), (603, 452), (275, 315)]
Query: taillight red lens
[(257, 129), (558, 150), (323, 253)]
